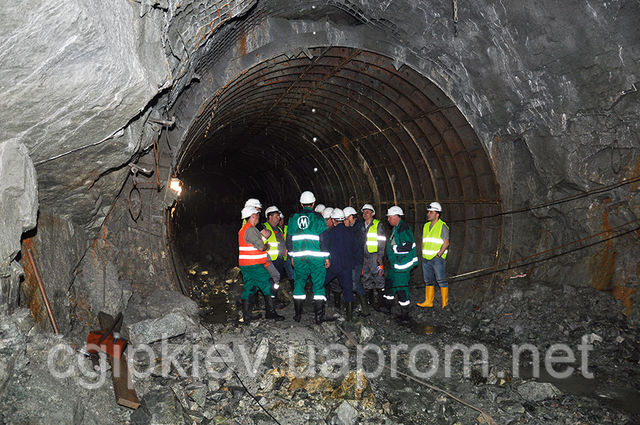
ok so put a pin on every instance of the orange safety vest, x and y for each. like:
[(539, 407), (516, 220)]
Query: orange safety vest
[(249, 255)]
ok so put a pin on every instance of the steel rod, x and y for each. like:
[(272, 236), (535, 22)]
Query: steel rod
[(44, 294)]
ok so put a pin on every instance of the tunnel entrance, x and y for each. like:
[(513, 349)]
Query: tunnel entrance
[(353, 127)]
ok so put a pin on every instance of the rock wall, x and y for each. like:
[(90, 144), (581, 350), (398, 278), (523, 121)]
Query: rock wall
[(57, 247), (82, 74), (18, 214)]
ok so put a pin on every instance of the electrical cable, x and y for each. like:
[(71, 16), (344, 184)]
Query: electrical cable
[(546, 259), (240, 380), (487, 418), (509, 265), (551, 203)]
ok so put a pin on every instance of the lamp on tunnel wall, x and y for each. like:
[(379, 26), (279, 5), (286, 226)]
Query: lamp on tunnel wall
[(175, 185)]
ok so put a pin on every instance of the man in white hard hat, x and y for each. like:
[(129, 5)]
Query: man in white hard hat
[(326, 214), (319, 208), (253, 202), (435, 246), (357, 227), (303, 244), (252, 259), (375, 244), (401, 252), (343, 252), (288, 267), (277, 248)]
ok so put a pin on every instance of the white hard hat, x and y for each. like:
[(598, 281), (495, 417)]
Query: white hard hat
[(395, 210), (434, 206), (349, 211), (253, 202), (307, 197), (368, 207), (271, 209), (337, 214), (319, 208), (249, 211), (327, 212)]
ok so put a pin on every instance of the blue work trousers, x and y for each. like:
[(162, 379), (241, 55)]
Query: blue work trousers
[(433, 272)]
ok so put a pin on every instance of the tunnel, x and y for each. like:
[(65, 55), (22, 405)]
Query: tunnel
[(521, 119), (349, 126)]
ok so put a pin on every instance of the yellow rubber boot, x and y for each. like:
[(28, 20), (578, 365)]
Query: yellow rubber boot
[(429, 294), (445, 296)]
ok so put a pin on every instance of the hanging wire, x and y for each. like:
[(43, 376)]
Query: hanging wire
[(455, 18), (512, 264), (551, 203)]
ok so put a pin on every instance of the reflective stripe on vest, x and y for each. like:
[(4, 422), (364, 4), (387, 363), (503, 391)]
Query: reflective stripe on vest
[(373, 237), (248, 254), (432, 240)]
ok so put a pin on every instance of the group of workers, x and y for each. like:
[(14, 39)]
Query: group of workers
[(325, 244)]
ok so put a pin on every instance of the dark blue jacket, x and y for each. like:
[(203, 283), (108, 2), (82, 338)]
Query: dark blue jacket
[(342, 246), (360, 233)]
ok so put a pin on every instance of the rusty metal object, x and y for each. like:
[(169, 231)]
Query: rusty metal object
[(44, 294)]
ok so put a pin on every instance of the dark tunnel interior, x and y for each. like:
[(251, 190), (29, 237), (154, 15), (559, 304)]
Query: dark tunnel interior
[(349, 126)]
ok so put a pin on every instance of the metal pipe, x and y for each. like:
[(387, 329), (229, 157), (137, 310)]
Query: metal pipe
[(44, 294)]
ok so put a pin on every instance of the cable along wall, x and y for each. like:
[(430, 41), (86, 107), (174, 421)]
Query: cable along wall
[(348, 125)]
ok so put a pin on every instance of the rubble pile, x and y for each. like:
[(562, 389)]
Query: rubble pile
[(376, 370)]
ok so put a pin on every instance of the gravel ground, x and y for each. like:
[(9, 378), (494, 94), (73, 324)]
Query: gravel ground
[(438, 367)]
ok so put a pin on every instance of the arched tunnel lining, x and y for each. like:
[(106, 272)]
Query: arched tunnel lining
[(350, 126)]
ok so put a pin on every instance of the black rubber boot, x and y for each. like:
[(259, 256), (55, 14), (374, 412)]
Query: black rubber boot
[(387, 304), (337, 296), (362, 301), (349, 316), (270, 306), (404, 314), (369, 293), (380, 298), (247, 315), (298, 304), (318, 306)]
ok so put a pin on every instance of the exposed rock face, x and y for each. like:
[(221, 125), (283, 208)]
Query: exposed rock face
[(18, 213), (18, 198), (81, 73)]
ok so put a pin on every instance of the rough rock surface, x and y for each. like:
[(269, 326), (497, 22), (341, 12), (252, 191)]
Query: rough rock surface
[(81, 72), (18, 198), (302, 373), (161, 315)]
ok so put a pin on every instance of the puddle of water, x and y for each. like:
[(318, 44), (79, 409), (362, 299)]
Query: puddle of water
[(219, 309), (578, 385), (213, 298)]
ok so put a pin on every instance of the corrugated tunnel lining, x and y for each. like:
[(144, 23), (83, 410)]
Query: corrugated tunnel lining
[(349, 126)]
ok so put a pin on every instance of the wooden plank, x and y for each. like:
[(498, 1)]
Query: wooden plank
[(122, 384)]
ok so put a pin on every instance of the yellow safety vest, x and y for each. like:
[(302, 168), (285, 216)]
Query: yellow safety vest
[(432, 240), (373, 237), (273, 242), (284, 236)]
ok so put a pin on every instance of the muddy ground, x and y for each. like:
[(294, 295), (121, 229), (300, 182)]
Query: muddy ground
[(577, 359), (583, 331), (591, 375)]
